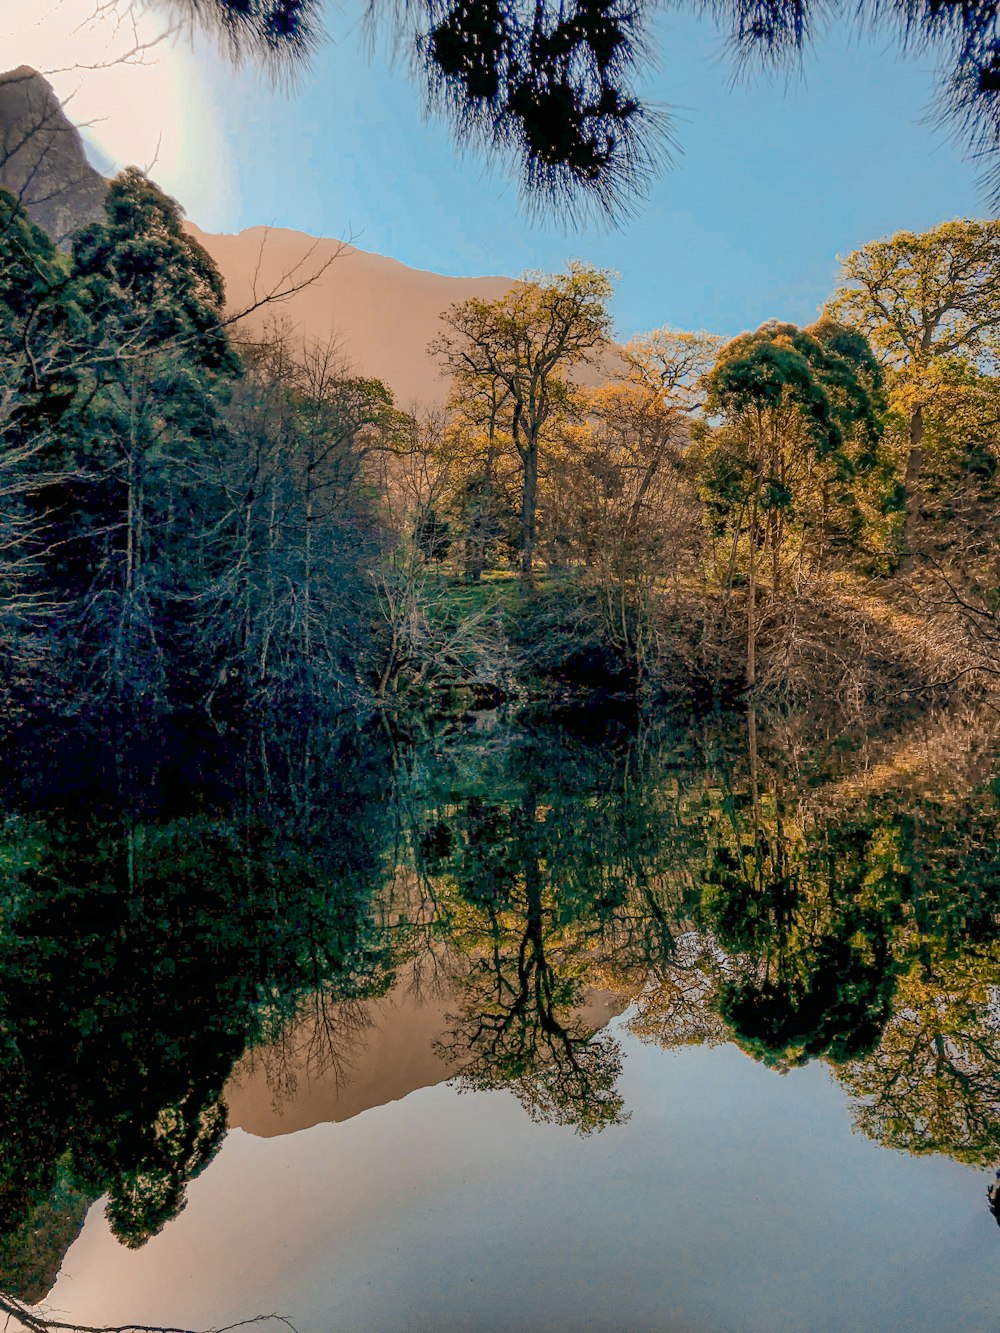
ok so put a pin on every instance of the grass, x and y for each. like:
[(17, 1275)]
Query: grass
[(497, 590)]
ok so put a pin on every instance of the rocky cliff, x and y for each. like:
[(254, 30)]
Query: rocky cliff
[(42, 159)]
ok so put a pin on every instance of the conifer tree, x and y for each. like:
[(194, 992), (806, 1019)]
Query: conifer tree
[(155, 370)]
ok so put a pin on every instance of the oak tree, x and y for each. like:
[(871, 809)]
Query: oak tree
[(923, 300), (526, 343)]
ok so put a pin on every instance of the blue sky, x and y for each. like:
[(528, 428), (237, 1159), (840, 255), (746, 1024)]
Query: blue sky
[(774, 179)]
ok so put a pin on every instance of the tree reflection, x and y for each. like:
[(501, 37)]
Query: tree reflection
[(519, 991), (143, 947), (815, 974), (732, 895), (549, 858), (158, 926), (858, 922)]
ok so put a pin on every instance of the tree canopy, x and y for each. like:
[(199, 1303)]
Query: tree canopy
[(927, 302), (523, 346)]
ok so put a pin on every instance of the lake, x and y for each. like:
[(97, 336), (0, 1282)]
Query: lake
[(498, 1022)]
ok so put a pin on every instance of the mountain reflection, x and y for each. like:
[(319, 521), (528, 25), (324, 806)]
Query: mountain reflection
[(175, 910)]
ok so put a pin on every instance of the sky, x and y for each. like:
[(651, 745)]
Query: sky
[(773, 179)]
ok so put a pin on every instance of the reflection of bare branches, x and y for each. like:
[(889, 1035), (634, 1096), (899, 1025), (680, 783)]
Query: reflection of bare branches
[(933, 1083), (519, 1027), (933, 754), (678, 1006), (30, 1321), (276, 1060), (430, 976), (564, 1073), (317, 1042), (336, 1029)]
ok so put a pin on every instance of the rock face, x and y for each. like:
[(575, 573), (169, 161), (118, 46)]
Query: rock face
[(42, 159)]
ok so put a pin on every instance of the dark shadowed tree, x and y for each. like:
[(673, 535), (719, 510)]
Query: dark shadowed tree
[(39, 323), (151, 376)]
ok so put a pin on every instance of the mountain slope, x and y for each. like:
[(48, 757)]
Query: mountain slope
[(380, 314)]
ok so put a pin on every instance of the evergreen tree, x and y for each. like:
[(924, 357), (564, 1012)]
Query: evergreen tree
[(552, 85), (40, 327), (152, 378), (799, 411)]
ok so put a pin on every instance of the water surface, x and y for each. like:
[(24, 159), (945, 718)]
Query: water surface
[(508, 1026)]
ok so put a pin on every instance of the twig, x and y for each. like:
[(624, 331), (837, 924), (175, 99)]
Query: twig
[(38, 1323)]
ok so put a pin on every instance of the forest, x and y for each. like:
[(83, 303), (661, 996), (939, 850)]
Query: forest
[(662, 670), (601, 737), (194, 520)]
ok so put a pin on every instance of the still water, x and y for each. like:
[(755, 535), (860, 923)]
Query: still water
[(507, 1026)]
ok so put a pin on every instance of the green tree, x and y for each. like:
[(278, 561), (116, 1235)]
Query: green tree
[(923, 300), (799, 412), (153, 375), (40, 324)]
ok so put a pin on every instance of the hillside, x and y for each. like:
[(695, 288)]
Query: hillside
[(381, 314)]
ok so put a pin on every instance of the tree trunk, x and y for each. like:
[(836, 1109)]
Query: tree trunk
[(528, 501), (914, 467), (307, 574), (130, 521), (475, 557), (752, 604), (482, 526)]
